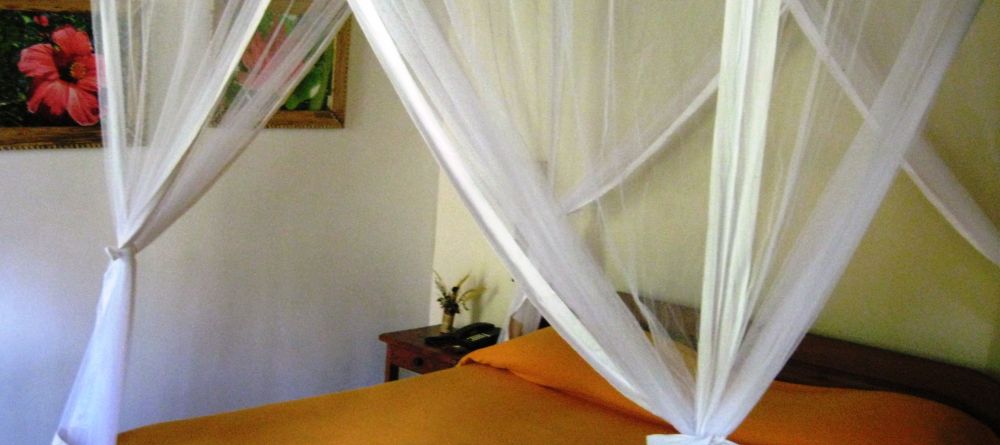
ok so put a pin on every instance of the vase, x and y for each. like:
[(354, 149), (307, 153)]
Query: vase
[(447, 322)]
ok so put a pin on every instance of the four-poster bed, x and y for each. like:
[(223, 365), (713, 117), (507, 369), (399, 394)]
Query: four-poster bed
[(550, 119)]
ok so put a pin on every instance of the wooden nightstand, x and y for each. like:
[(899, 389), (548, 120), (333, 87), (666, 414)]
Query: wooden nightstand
[(406, 349)]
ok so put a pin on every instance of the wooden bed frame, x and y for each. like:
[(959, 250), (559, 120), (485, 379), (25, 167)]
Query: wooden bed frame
[(823, 361)]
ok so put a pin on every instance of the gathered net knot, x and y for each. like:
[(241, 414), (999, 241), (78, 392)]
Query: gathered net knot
[(684, 439), (118, 252)]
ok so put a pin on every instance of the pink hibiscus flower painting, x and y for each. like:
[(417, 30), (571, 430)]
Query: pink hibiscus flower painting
[(63, 76)]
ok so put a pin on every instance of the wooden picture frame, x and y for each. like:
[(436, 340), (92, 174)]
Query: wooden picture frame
[(41, 136), (68, 134), (335, 114)]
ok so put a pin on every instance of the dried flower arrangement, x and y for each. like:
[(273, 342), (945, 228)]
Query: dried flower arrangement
[(453, 300)]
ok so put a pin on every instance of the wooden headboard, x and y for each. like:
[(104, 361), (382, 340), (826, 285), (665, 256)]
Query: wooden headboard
[(823, 361)]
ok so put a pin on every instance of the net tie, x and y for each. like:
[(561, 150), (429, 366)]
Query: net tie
[(115, 253)]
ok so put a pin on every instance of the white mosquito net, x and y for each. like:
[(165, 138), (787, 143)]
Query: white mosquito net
[(589, 139), (583, 138), (179, 101)]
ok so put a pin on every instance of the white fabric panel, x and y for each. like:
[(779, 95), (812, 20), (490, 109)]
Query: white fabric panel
[(592, 89), (157, 96), (770, 263), (218, 146), (91, 414), (92, 410), (749, 46), (611, 174), (922, 164), (941, 188), (926, 169), (405, 31), (851, 198)]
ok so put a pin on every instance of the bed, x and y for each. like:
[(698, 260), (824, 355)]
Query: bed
[(536, 390)]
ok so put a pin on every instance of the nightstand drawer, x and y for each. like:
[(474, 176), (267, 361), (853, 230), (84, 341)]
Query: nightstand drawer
[(406, 349), (415, 361)]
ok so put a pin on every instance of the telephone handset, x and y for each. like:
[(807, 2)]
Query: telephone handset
[(471, 337)]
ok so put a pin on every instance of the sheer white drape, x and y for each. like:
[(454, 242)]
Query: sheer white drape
[(539, 108), (922, 164), (168, 135)]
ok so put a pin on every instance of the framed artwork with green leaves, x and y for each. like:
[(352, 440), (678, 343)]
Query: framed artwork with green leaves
[(320, 99)]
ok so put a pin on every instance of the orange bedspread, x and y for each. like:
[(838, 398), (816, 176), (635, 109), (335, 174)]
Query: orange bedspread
[(467, 405), (536, 390), (788, 414)]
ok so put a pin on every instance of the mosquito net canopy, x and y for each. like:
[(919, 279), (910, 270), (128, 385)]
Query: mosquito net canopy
[(591, 140)]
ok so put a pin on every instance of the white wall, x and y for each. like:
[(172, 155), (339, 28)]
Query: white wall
[(275, 286)]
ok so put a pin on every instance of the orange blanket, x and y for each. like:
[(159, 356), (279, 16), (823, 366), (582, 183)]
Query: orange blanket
[(788, 413), (471, 405), (536, 390)]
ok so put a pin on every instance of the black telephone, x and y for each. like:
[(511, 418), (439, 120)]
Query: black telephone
[(471, 337)]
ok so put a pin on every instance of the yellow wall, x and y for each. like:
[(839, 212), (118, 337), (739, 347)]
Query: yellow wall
[(914, 285), (965, 122), (460, 248)]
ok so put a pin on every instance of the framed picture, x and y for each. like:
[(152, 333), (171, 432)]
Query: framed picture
[(48, 82), (320, 99), (48, 99)]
